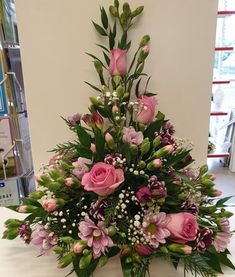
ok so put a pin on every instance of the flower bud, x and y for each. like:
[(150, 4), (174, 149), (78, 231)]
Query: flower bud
[(68, 182), (145, 39), (143, 250), (88, 119), (115, 110), (156, 142), (66, 260), (166, 150), (79, 247), (85, 261), (105, 89), (207, 182), (114, 11), (180, 248), (120, 91), (11, 234), (99, 122), (13, 223), (142, 164), (126, 9), (157, 163), (126, 96), (125, 251), (109, 140), (144, 52), (74, 118), (58, 250), (137, 11), (164, 250), (67, 240), (145, 146), (134, 149), (203, 169), (213, 177), (112, 231), (95, 102), (36, 194), (98, 67), (27, 209), (102, 261)]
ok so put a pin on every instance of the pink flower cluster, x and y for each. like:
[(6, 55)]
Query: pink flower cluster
[(222, 238)]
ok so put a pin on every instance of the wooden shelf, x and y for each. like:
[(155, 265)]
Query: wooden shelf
[(220, 82), (218, 113), (224, 48), (218, 155)]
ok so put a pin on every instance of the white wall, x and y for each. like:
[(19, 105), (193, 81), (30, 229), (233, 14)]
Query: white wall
[(55, 34)]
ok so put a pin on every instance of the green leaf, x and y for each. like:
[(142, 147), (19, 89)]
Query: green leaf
[(128, 46), (126, 268), (140, 69), (104, 112), (87, 272), (92, 86), (154, 126), (221, 202), (84, 151), (111, 40), (114, 29), (225, 260), (125, 150), (83, 136), (104, 18), (123, 41), (137, 88), (13, 208), (99, 142), (37, 213), (103, 47), (99, 29), (107, 59), (29, 201), (95, 58), (113, 251)]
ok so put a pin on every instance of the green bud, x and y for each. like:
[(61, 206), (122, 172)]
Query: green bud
[(134, 149), (117, 79), (54, 186), (163, 151), (105, 89), (102, 261), (141, 126), (145, 146), (67, 240), (182, 196), (137, 258), (96, 102), (112, 231), (85, 261), (124, 20), (54, 174), (142, 164), (156, 142), (60, 202), (11, 234), (126, 9), (120, 91), (36, 195), (128, 260), (203, 169), (98, 67), (145, 40), (13, 223), (207, 182), (116, 3), (164, 250), (137, 11), (114, 11), (126, 96), (143, 55), (58, 250), (180, 248), (66, 260), (86, 252), (125, 251)]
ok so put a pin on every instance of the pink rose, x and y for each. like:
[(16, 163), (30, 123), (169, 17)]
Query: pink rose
[(118, 62), (49, 205), (146, 109), (103, 179), (182, 226)]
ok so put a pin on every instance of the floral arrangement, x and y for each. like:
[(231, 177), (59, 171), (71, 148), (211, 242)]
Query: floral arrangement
[(124, 186)]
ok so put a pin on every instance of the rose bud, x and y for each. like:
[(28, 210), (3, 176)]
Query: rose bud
[(143, 250), (180, 248)]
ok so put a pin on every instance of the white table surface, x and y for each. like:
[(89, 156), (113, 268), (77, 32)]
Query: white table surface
[(20, 260)]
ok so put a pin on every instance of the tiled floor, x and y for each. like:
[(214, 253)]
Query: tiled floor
[(225, 180)]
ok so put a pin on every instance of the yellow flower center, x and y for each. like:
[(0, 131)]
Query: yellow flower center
[(152, 229)]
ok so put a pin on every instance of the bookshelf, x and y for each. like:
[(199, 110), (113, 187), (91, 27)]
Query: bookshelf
[(16, 166)]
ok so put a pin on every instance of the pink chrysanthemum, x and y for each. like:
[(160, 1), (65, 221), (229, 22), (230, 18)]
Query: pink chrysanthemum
[(154, 228), (222, 238), (96, 236)]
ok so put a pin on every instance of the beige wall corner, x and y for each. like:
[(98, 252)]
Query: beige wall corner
[(55, 34)]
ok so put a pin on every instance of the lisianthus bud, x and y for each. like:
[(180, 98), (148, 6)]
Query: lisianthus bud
[(69, 182), (143, 54), (217, 192), (157, 163), (137, 11), (11, 234), (99, 122), (79, 247), (66, 260), (88, 119), (180, 248), (145, 146), (93, 148), (36, 194), (26, 209), (166, 150), (144, 40), (98, 67), (85, 261), (114, 11), (109, 140)]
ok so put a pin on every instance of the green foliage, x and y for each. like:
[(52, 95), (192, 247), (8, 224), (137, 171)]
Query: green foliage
[(99, 29), (154, 126)]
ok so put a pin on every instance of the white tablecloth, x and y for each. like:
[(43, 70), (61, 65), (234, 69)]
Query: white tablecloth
[(20, 260)]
